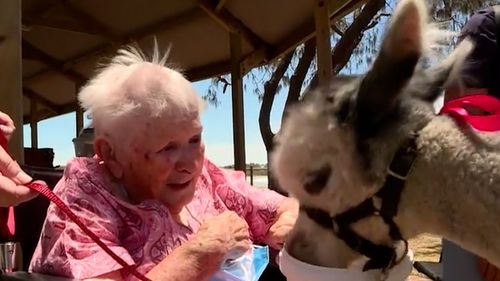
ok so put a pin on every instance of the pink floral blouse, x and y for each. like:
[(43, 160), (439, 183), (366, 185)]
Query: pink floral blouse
[(141, 234)]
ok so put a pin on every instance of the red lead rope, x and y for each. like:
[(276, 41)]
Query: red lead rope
[(47, 193)]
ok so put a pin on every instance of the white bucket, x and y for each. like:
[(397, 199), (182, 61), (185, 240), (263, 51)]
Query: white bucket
[(296, 270)]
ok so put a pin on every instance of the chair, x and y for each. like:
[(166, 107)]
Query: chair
[(433, 270)]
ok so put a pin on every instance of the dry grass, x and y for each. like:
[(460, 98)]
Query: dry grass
[(425, 247)]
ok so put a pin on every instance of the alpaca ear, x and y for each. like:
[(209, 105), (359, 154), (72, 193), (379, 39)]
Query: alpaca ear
[(447, 73), (394, 66)]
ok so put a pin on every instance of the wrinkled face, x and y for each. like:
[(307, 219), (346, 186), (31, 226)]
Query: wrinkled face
[(334, 147), (165, 161)]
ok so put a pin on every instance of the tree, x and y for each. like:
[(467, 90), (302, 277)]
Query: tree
[(356, 38)]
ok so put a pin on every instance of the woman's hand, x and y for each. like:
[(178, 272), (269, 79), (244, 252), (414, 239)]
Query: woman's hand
[(287, 216), (12, 182), (220, 237), (7, 127), (225, 235), (12, 179)]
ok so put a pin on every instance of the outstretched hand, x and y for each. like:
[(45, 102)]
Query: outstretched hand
[(13, 179), (12, 182), (7, 127)]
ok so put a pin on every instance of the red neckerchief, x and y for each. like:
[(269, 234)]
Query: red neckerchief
[(489, 122)]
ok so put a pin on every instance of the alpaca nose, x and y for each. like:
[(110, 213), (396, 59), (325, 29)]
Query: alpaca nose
[(316, 180)]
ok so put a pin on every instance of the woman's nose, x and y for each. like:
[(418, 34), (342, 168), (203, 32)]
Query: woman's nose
[(187, 159)]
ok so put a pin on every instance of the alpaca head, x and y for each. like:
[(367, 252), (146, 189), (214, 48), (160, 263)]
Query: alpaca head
[(334, 147)]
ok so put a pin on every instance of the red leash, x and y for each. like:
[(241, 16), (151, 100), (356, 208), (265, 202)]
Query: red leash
[(47, 193), (457, 109)]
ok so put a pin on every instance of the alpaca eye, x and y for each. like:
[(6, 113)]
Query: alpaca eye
[(315, 181)]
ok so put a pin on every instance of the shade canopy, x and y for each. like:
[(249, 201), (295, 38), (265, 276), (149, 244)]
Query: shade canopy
[(63, 40)]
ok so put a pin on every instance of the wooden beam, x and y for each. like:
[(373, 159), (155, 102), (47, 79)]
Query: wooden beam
[(79, 112), (79, 120), (53, 63), (87, 24), (259, 56), (206, 71), (237, 103), (11, 101), (34, 123), (45, 113), (262, 56), (304, 32), (45, 8), (57, 24), (89, 21), (323, 45), (32, 95), (137, 35), (232, 24)]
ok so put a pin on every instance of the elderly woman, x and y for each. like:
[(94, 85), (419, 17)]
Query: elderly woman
[(149, 193)]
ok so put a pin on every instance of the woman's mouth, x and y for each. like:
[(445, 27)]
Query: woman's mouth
[(179, 186)]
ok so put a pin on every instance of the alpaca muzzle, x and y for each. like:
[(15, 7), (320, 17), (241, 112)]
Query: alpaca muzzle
[(381, 257)]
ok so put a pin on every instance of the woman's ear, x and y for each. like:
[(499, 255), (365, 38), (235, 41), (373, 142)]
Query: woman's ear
[(107, 152)]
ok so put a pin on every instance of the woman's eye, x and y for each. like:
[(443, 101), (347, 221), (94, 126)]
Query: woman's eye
[(195, 140), (169, 147)]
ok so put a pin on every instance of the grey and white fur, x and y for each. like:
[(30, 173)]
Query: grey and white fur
[(356, 124)]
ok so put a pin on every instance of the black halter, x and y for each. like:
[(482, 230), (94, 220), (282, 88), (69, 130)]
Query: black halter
[(380, 256)]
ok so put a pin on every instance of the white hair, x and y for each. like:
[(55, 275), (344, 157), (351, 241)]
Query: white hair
[(131, 86)]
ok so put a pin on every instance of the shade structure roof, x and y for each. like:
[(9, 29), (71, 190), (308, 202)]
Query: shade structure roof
[(64, 40)]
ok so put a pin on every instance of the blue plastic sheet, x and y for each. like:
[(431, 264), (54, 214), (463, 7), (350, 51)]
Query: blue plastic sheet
[(248, 267)]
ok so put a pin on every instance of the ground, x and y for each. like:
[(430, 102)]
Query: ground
[(425, 247)]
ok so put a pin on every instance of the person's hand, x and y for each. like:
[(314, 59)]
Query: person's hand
[(225, 234), (7, 127), (278, 232), (12, 182), (488, 271)]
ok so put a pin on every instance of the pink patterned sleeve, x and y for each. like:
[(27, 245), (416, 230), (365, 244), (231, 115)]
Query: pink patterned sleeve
[(258, 206), (64, 249)]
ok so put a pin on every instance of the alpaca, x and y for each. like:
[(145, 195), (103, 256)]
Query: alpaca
[(335, 148)]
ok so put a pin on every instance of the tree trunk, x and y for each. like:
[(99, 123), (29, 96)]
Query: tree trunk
[(299, 75), (270, 89)]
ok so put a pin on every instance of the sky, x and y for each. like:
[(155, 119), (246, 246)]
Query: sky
[(58, 132)]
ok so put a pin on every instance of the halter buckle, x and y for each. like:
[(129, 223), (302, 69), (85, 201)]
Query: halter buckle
[(396, 175)]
